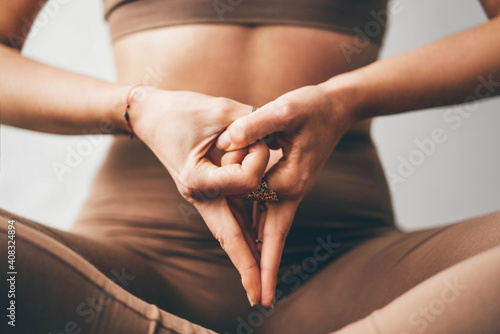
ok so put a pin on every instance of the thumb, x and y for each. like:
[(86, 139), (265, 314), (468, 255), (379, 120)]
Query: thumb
[(246, 130)]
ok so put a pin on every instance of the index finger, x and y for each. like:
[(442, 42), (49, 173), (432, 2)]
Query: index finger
[(246, 130), (221, 222), (278, 221)]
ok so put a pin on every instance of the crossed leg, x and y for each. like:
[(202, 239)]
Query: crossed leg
[(438, 280), (462, 299), (57, 290)]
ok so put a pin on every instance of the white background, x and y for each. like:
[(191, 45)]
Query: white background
[(459, 180)]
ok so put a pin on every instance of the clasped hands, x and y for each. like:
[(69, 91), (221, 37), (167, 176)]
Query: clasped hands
[(188, 131)]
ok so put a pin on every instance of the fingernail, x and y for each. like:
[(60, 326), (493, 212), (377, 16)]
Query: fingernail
[(223, 142), (250, 300)]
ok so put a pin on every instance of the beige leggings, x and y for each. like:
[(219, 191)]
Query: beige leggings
[(441, 280), (462, 299)]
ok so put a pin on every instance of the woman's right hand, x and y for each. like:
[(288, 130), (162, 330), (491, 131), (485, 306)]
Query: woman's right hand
[(181, 129)]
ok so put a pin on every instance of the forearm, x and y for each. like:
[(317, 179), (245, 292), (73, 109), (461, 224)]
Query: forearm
[(457, 69), (39, 97)]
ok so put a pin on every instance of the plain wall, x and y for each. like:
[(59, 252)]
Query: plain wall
[(459, 178)]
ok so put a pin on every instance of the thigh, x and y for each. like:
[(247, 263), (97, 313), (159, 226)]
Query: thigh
[(373, 274), (68, 283), (462, 299)]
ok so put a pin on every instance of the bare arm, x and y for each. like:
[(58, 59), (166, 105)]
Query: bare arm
[(39, 97), (456, 69)]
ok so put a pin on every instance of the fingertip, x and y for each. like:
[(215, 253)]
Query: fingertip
[(252, 285), (268, 302), (257, 160), (259, 145), (252, 304), (223, 142), (261, 148), (268, 291)]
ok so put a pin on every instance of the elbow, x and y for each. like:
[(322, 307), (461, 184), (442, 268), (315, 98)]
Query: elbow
[(495, 14), (12, 41), (12, 36), (492, 10), (13, 30), (495, 11)]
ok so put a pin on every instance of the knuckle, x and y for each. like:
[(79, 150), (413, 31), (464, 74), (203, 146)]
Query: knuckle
[(228, 240), (231, 172), (222, 105), (267, 268), (238, 132), (254, 182), (248, 269), (279, 235), (188, 185), (297, 188), (302, 184), (269, 139), (282, 234), (286, 112), (251, 183), (286, 108)]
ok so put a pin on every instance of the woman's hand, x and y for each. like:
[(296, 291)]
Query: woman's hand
[(306, 123), (181, 129)]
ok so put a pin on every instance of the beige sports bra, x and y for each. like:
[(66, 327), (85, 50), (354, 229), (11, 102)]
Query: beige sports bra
[(366, 18)]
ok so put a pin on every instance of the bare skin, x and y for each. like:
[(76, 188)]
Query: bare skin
[(263, 66)]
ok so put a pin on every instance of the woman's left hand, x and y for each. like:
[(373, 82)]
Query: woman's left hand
[(306, 123)]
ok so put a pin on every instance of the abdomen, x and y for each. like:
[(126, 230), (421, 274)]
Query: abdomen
[(253, 66)]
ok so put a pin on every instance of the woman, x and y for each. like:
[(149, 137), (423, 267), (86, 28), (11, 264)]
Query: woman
[(303, 77)]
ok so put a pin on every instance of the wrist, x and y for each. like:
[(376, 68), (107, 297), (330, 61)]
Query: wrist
[(346, 93), (126, 111), (138, 119), (116, 102)]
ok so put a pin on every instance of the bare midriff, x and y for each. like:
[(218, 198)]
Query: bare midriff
[(253, 65)]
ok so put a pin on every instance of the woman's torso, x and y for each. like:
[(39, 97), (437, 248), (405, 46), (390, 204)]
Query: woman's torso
[(254, 65)]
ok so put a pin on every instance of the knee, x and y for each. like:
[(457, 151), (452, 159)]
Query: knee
[(8, 222), (477, 235), (486, 229), (4, 221), (493, 218), (457, 242)]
